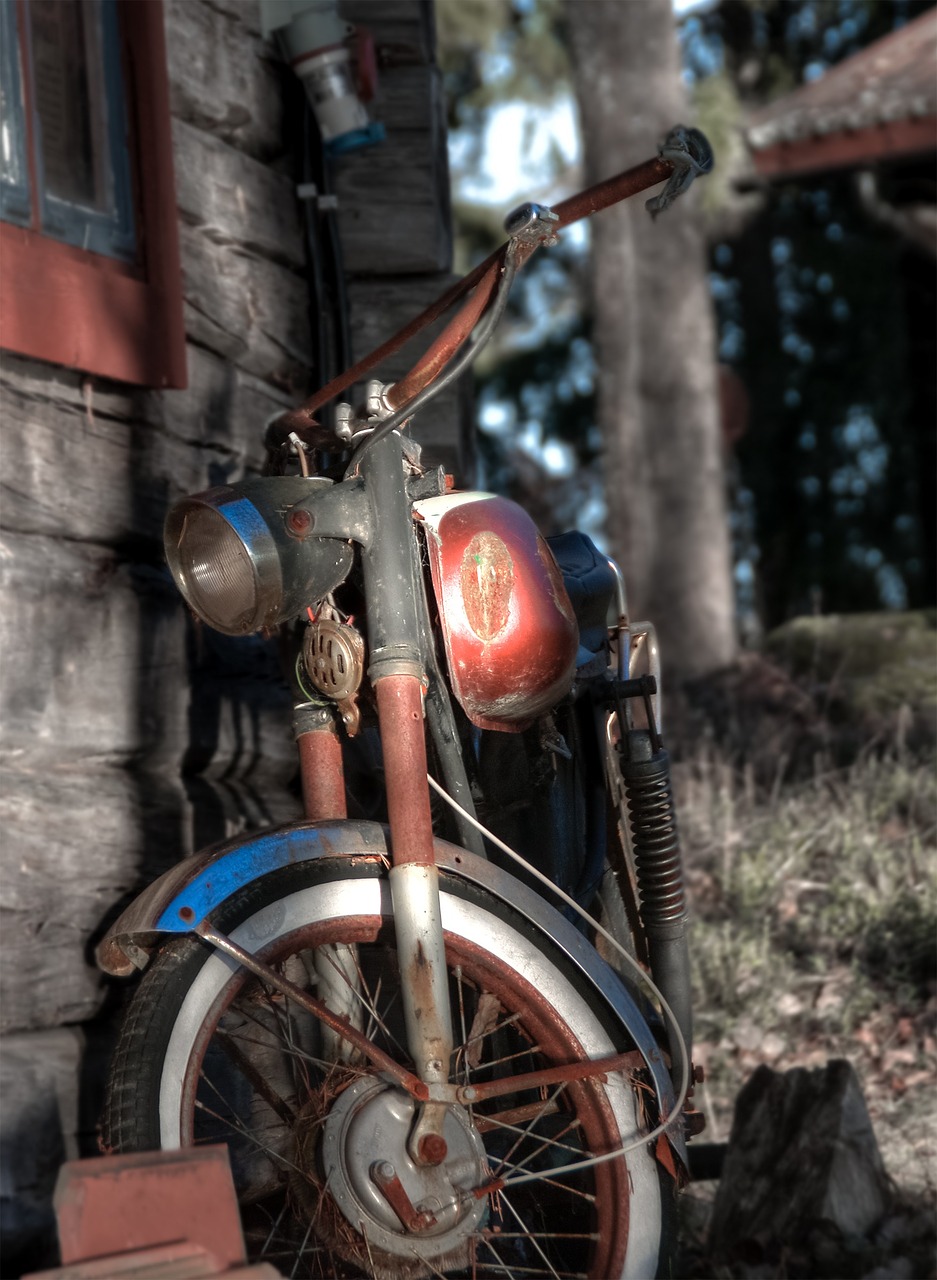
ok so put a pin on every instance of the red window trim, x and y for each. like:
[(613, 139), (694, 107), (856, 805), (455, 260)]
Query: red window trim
[(88, 312)]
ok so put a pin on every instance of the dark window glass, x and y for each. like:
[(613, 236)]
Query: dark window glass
[(75, 88), (14, 173)]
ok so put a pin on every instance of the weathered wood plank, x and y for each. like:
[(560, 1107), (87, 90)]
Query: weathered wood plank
[(249, 310), (94, 653), (121, 475), (409, 99), (394, 197), (79, 842), (245, 13), (223, 408), (221, 78), (377, 14), (101, 660), (382, 306), (234, 199), (135, 454), (393, 207)]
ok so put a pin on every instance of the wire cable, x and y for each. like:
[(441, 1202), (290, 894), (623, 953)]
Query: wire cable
[(673, 1025), (483, 333)]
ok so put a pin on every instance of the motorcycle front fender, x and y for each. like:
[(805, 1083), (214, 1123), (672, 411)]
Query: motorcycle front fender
[(190, 892), (185, 895)]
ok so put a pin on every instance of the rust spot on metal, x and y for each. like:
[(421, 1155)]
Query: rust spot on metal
[(432, 1148), (515, 1115), (598, 1069), (299, 522), (487, 582), (323, 774)]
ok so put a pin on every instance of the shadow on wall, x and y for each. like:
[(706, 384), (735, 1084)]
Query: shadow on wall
[(205, 750)]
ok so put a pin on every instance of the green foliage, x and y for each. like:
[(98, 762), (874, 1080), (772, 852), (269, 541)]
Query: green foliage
[(873, 664), (495, 51), (898, 946), (718, 112)]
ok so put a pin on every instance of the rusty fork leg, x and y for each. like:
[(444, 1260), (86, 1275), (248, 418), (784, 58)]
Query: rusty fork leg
[(320, 762), (414, 878)]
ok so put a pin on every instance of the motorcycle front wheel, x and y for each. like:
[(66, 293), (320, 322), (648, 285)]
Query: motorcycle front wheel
[(209, 1053)]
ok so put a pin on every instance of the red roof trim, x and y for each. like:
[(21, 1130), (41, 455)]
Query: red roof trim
[(847, 149)]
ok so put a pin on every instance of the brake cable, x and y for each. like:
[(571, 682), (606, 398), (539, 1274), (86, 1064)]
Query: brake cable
[(490, 321)]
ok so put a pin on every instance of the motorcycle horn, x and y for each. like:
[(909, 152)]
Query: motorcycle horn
[(237, 561)]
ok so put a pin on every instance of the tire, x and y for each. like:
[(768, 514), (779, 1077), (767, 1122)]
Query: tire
[(208, 1053)]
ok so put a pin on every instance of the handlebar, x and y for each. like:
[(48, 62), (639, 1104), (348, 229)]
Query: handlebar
[(684, 154)]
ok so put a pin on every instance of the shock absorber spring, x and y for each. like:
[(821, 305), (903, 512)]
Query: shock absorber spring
[(654, 837), (655, 843)]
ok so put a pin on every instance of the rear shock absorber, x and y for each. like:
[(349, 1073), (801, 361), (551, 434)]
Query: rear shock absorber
[(645, 768)]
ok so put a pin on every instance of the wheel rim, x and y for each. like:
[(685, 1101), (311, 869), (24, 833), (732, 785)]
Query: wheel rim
[(568, 1226)]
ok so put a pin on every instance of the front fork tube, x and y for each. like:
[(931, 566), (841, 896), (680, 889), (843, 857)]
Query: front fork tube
[(414, 887), (397, 672)]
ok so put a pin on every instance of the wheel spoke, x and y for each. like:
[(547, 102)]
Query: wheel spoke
[(370, 1004), (525, 1132), (273, 1229), (467, 1069), (319, 1063), (301, 1251), (553, 1142), (253, 1076), (547, 1181), (239, 1127), (473, 1040), (520, 1222)]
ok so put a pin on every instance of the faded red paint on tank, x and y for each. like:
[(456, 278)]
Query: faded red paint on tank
[(486, 582), (508, 626)]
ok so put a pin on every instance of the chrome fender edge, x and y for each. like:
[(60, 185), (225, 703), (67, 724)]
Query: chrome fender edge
[(191, 891)]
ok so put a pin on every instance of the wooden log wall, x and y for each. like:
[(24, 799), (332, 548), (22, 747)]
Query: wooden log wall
[(127, 737)]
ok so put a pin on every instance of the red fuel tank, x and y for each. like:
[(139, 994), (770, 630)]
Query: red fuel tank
[(507, 623)]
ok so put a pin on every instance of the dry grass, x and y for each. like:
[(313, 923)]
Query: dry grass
[(815, 919)]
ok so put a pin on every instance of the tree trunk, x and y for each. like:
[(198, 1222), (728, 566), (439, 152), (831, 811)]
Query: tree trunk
[(654, 337)]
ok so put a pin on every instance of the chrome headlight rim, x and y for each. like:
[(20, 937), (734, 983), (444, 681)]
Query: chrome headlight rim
[(263, 576)]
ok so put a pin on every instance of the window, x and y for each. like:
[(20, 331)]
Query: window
[(90, 260)]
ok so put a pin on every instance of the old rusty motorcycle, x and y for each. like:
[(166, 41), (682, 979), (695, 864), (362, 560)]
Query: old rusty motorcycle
[(456, 1041)]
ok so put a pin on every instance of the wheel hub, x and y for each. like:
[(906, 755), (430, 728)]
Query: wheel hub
[(364, 1142)]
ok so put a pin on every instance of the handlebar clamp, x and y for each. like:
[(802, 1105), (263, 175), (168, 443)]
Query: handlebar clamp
[(532, 224)]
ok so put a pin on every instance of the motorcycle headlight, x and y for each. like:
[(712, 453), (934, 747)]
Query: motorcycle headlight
[(236, 563)]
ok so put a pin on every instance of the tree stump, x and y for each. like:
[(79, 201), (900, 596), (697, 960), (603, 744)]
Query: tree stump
[(802, 1163)]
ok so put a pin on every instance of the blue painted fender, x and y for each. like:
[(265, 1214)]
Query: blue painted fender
[(193, 890)]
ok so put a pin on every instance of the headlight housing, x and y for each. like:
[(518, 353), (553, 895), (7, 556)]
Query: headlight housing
[(235, 562)]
